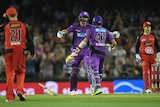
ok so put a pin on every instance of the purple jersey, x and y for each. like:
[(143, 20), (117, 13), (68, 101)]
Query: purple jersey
[(79, 33), (98, 37)]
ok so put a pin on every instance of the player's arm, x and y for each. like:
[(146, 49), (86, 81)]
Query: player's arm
[(61, 33), (110, 45), (30, 44), (137, 45), (138, 57), (114, 43), (82, 44)]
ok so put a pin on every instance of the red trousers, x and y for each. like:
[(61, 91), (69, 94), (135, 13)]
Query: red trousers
[(147, 61), (11, 72)]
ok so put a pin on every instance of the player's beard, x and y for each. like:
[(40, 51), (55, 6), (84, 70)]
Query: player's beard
[(83, 23)]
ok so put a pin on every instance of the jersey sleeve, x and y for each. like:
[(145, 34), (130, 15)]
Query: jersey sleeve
[(137, 45), (30, 44), (71, 28)]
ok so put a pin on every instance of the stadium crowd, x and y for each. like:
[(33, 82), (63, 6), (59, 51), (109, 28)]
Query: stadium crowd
[(45, 18)]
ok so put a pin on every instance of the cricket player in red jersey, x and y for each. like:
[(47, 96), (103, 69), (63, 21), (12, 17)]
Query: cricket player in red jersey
[(17, 40), (146, 49)]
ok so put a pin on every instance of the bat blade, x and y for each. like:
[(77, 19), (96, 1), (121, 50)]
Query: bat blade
[(49, 91)]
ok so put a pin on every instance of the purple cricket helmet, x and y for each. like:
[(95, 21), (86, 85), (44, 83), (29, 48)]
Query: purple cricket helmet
[(83, 16), (97, 20)]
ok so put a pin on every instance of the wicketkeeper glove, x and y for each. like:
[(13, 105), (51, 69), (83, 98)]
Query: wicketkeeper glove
[(138, 58), (116, 34), (60, 34), (158, 57)]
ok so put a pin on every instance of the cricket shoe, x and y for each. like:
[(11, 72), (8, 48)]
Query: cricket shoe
[(21, 96), (73, 93), (98, 91), (10, 101), (148, 91)]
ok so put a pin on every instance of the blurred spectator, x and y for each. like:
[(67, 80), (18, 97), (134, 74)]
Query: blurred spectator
[(39, 50), (120, 55), (59, 60), (46, 65), (129, 69), (28, 12), (30, 66), (2, 68)]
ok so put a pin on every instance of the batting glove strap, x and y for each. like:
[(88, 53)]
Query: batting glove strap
[(75, 52)]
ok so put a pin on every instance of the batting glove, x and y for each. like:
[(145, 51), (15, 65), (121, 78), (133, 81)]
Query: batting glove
[(60, 34), (71, 57), (75, 52), (138, 58)]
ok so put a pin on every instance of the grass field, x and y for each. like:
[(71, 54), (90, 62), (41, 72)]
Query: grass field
[(105, 100)]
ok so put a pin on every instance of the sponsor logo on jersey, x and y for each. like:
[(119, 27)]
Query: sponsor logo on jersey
[(143, 39), (100, 30), (81, 34), (14, 25)]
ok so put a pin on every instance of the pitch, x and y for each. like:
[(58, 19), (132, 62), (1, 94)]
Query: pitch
[(104, 100)]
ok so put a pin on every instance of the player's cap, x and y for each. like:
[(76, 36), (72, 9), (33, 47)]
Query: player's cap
[(147, 23), (11, 11)]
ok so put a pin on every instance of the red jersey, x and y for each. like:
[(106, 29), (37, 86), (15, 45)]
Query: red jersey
[(147, 44), (15, 35)]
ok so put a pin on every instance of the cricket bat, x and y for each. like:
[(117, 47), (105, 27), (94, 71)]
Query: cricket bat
[(49, 91)]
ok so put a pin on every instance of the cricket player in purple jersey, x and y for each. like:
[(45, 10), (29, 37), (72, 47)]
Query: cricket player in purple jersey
[(98, 37), (79, 32)]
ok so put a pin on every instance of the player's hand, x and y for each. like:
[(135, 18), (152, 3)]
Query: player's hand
[(138, 58), (116, 34), (110, 47), (71, 57), (60, 34), (158, 57)]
